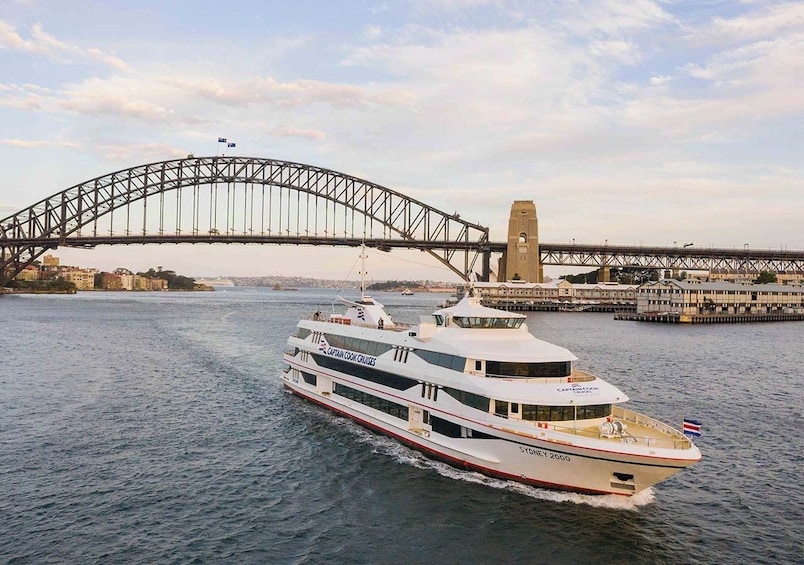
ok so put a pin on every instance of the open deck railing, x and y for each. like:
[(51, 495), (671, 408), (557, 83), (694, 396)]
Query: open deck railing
[(673, 439)]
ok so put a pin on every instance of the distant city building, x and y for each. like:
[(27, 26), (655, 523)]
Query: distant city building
[(748, 277), (110, 281), (29, 273)]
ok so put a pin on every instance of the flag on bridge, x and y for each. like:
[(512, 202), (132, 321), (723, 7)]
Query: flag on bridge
[(691, 427), (221, 140), (231, 145)]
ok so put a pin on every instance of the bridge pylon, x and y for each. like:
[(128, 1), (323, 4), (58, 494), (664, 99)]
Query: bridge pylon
[(521, 259)]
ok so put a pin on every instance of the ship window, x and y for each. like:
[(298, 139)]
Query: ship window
[(361, 371), (528, 370), (469, 398), (474, 434), (451, 429), (303, 333), (594, 411), (391, 408), (309, 378), (501, 408), (445, 427), (443, 359)]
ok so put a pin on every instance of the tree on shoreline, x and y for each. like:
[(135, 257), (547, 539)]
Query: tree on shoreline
[(175, 282)]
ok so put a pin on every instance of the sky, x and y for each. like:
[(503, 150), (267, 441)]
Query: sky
[(636, 122)]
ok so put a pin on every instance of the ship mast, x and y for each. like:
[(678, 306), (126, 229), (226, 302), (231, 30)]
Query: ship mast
[(363, 271)]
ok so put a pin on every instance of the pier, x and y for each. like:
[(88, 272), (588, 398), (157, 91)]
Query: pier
[(675, 318)]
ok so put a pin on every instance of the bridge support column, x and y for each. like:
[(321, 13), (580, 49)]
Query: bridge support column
[(604, 274), (486, 274), (522, 260)]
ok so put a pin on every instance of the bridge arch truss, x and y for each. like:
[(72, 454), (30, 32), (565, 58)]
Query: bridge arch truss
[(236, 200)]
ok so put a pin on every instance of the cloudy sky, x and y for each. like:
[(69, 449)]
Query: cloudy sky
[(630, 121)]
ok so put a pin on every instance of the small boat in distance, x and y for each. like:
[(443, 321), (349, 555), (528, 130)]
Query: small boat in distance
[(278, 287), (407, 292), (471, 386)]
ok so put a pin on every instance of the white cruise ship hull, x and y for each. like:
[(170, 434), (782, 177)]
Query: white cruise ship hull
[(545, 458)]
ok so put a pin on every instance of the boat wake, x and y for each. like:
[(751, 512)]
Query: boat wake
[(407, 456)]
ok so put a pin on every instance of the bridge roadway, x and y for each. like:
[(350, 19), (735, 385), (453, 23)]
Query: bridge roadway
[(570, 254)]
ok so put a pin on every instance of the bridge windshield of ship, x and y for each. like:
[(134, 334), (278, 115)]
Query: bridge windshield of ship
[(487, 323), (502, 369)]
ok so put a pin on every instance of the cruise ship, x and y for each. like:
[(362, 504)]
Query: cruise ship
[(471, 386)]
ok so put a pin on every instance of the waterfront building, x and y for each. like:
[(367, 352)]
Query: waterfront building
[(556, 294), (83, 279), (692, 298)]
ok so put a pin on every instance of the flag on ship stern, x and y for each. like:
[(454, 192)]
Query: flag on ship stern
[(692, 427)]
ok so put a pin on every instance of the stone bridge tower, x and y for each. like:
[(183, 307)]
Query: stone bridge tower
[(521, 259)]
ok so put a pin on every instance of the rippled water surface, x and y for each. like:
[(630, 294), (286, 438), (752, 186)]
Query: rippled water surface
[(153, 428)]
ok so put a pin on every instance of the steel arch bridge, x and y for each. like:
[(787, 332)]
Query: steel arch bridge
[(236, 200)]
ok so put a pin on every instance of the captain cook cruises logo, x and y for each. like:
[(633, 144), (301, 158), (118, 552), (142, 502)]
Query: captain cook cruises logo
[(351, 356)]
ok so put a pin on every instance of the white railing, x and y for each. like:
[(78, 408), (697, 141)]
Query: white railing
[(674, 439)]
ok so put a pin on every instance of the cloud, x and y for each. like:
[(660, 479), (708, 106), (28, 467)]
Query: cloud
[(35, 144), (659, 80), (373, 32), (298, 132), (116, 97), (774, 20), (42, 43), (139, 152)]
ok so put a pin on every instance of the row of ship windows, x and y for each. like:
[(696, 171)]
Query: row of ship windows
[(528, 370), (438, 425), (384, 378), (452, 362), (487, 323), (392, 408), (374, 348), (543, 413), (528, 412)]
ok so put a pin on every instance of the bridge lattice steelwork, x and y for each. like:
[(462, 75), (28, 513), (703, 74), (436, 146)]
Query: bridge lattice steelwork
[(677, 258), (235, 200)]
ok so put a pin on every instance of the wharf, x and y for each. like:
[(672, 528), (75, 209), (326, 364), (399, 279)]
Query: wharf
[(674, 318), (529, 306)]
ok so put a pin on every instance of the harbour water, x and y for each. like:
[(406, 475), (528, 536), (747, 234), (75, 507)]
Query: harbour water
[(153, 428)]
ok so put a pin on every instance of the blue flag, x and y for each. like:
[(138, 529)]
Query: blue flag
[(221, 140), (692, 427), (231, 145)]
